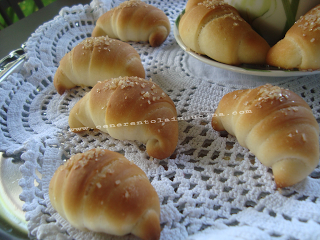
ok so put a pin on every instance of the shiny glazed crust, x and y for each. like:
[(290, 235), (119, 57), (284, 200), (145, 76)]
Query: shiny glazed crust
[(277, 126), (102, 191), (215, 29), (134, 20), (300, 47), (130, 108), (97, 59)]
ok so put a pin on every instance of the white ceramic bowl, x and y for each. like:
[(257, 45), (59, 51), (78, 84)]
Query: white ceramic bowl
[(272, 18)]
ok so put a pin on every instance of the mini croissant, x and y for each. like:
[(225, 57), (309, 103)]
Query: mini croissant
[(130, 108), (102, 191), (300, 48), (216, 29), (277, 126), (134, 20), (97, 59)]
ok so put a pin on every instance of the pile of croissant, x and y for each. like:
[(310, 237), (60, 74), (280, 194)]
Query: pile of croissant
[(216, 29), (101, 190)]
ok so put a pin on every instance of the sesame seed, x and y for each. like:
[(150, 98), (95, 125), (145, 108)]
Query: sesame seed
[(98, 42), (127, 194), (130, 3), (304, 137), (213, 4), (311, 21), (146, 95), (149, 92)]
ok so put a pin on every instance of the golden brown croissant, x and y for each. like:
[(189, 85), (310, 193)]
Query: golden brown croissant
[(97, 59), (134, 20), (214, 28), (300, 48), (102, 191), (130, 108), (192, 3), (277, 126)]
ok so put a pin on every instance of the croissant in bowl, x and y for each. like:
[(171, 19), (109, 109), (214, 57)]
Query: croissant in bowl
[(216, 29), (300, 48)]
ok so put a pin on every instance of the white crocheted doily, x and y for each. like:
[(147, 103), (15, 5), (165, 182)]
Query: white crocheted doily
[(210, 188)]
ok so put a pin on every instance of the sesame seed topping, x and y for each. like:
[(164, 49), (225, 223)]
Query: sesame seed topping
[(130, 3), (80, 160), (149, 90), (304, 137), (222, 5), (99, 42), (269, 92), (127, 195), (146, 95), (213, 4), (295, 109), (310, 21)]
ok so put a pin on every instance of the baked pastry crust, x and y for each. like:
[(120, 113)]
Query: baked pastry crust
[(277, 126), (97, 59), (102, 191), (300, 48), (216, 29), (134, 20), (130, 108)]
